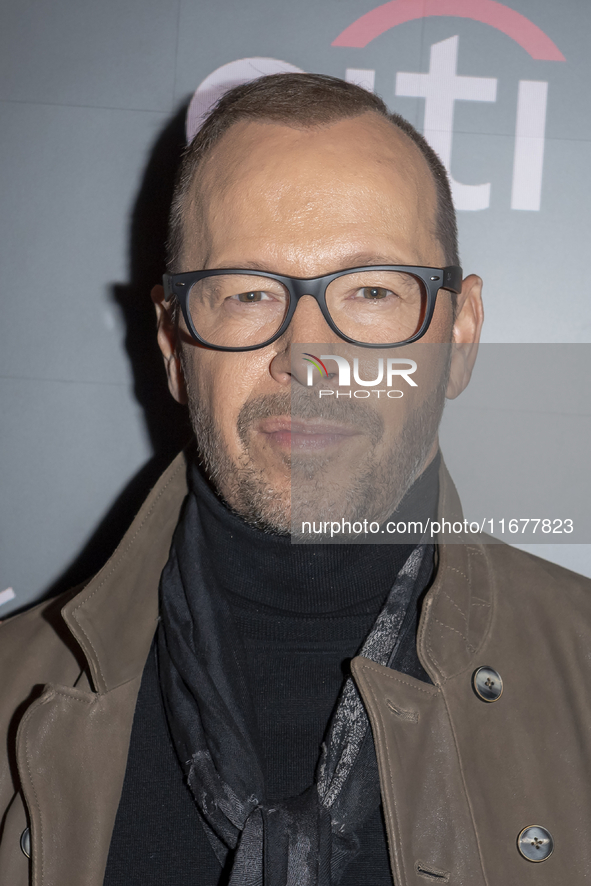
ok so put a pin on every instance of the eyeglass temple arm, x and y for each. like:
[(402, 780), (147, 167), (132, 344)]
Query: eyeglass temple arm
[(167, 286), (452, 279)]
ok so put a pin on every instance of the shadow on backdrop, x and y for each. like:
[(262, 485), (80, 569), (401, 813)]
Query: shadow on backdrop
[(167, 423)]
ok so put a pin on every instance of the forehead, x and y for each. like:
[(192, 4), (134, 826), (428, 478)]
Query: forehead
[(357, 179)]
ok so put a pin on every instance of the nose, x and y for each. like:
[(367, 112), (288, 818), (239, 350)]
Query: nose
[(307, 326)]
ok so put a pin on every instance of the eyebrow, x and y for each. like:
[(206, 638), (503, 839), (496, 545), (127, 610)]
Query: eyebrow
[(357, 260), (370, 258)]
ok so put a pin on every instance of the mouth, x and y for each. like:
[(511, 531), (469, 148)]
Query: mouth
[(305, 435)]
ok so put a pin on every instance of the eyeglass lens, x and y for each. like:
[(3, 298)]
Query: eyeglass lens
[(242, 310)]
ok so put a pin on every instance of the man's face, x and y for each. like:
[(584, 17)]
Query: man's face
[(304, 203)]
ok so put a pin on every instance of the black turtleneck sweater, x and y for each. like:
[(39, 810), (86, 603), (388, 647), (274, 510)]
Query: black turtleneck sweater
[(303, 611)]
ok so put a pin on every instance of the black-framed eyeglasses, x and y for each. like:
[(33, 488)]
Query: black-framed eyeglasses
[(377, 306)]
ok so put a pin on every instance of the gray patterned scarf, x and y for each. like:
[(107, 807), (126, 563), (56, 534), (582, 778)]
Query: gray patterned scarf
[(306, 840)]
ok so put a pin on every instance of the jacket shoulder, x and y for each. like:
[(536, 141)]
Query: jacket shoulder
[(537, 601), (536, 575)]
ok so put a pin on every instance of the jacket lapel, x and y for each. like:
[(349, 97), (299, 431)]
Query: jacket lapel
[(72, 751)]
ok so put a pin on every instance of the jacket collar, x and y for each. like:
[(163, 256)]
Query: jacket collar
[(115, 616), (457, 611)]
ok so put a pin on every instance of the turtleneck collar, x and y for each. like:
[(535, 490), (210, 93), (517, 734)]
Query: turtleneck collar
[(269, 570)]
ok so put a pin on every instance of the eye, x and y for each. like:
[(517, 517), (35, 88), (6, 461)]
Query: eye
[(250, 298), (374, 293)]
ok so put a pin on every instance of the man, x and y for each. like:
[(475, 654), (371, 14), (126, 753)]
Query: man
[(187, 717)]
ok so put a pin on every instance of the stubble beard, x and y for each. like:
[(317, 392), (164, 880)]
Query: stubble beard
[(373, 492), (242, 486)]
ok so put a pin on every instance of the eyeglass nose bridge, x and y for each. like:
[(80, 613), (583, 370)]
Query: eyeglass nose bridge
[(313, 287)]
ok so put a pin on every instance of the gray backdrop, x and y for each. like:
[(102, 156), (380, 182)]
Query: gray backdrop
[(93, 99)]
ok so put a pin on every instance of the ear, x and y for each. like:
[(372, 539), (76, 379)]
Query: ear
[(168, 342), (466, 335)]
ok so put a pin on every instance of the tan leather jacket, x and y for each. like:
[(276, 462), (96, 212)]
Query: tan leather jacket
[(460, 778)]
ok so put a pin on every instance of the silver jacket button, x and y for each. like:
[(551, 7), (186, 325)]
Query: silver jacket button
[(26, 842), (487, 684), (535, 843)]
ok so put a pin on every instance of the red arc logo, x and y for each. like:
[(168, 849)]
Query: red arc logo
[(489, 12)]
